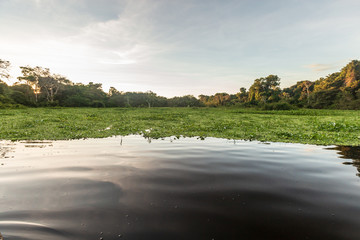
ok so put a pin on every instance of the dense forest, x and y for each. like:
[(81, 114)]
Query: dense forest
[(38, 87)]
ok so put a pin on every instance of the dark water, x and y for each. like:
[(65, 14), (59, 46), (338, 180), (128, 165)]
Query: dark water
[(126, 188)]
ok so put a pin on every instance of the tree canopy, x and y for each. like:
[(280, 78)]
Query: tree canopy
[(37, 86), (4, 70)]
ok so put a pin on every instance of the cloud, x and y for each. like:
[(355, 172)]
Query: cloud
[(183, 45), (127, 39), (318, 67)]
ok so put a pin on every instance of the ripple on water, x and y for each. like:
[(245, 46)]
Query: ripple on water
[(177, 189), (30, 231)]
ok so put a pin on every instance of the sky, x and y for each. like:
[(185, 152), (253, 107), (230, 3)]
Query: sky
[(180, 47)]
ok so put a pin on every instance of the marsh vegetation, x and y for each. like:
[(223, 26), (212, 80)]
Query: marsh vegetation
[(325, 127)]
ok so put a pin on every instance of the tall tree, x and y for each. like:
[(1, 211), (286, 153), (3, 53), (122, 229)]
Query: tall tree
[(221, 99), (51, 84), (150, 98), (4, 70), (242, 95), (306, 89), (22, 94), (31, 77), (265, 89)]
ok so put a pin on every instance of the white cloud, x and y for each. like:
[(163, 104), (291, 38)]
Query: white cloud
[(318, 67), (184, 46)]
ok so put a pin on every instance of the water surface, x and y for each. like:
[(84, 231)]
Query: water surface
[(127, 188)]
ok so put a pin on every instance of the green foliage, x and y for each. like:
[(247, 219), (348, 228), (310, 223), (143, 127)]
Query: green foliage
[(299, 94), (311, 126), (77, 101), (350, 74), (22, 94), (117, 100), (323, 98), (339, 90), (184, 101), (278, 106), (80, 95), (265, 89), (3, 88), (219, 99)]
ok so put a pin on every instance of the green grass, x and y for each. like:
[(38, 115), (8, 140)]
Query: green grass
[(325, 127)]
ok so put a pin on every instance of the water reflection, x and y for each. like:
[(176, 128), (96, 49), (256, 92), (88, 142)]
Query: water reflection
[(36, 144), (6, 148), (351, 153), (125, 188)]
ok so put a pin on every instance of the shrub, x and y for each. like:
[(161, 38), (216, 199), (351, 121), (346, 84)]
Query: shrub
[(278, 106)]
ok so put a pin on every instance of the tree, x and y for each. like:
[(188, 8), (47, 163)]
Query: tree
[(306, 89), (51, 84), (31, 77), (4, 70), (221, 99), (242, 95), (324, 98), (184, 101), (299, 93), (264, 89), (22, 94), (150, 98), (204, 99), (350, 74), (256, 90), (42, 81), (113, 91), (115, 98)]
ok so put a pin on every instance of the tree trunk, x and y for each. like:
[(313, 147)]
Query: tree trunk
[(51, 95)]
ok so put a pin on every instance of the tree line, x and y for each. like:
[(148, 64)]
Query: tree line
[(339, 90), (38, 87)]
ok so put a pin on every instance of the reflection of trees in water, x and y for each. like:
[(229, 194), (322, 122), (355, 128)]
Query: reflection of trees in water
[(352, 153), (4, 152), (7, 148)]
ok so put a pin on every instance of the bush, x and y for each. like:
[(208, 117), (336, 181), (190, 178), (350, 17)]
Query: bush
[(278, 106), (77, 101), (324, 98), (98, 104), (246, 104), (9, 105)]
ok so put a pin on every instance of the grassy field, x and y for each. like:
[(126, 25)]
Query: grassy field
[(324, 127)]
